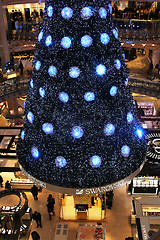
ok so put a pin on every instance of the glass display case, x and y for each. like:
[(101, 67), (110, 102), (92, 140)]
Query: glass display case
[(145, 185)]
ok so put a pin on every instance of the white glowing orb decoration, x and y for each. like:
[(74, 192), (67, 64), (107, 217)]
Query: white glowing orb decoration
[(89, 96), (52, 71), (104, 37), (109, 129), (50, 11), (60, 162), (110, 8), (30, 117), (126, 82), (47, 128), (139, 133), (31, 83), (115, 32), (86, 12), (40, 36), (125, 151), (102, 12), (22, 134), (129, 117), (66, 42), (100, 69), (95, 161), (63, 97), (86, 41), (41, 92), (37, 65), (74, 72), (117, 64), (113, 91), (48, 41), (35, 152), (77, 132), (67, 13), (124, 57)]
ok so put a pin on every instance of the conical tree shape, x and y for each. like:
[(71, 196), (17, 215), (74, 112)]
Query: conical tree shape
[(81, 128)]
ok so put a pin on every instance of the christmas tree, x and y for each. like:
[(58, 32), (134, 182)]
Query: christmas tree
[(81, 127)]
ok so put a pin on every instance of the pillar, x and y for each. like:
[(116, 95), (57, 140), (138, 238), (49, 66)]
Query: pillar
[(3, 38)]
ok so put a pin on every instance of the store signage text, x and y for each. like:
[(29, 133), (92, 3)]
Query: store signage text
[(99, 189)]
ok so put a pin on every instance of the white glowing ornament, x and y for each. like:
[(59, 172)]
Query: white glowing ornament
[(40, 36), (74, 72), (50, 11), (77, 132), (102, 12), (30, 117), (52, 71), (37, 65), (110, 8), (89, 96), (113, 91), (125, 150), (86, 41), (66, 42), (115, 32), (129, 117), (41, 92), (118, 64), (95, 161), (60, 161), (35, 152), (48, 41), (104, 37), (100, 69), (63, 97), (47, 128), (86, 12), (126, 82), (22, 134), (139, 133), (31, 83), (67, 13), (109, 129)]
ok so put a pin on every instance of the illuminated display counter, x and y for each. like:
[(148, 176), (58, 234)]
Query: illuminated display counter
[(22, 184), (145, 185), (91, 232)]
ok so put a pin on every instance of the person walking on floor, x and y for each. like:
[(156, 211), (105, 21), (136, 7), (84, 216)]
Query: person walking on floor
[(34, 191), (35, 235), (50, 206), (21, 67), (37, 217), (1, 181)]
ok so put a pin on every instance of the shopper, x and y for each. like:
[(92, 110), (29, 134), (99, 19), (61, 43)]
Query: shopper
[(37, 217), (35, 235), (21, 67), (1, 181), (34, 191), (50, 206), (7, 185)]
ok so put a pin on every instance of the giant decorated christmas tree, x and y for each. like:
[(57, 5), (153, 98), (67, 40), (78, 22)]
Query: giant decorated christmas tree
[(81, 128)]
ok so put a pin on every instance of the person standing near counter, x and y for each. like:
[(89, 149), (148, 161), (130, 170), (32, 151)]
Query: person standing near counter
[(34, 191)]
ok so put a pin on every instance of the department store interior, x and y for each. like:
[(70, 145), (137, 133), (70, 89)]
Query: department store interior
[(131, 211)]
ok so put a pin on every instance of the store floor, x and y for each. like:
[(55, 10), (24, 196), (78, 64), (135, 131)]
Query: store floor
[(117, 221)]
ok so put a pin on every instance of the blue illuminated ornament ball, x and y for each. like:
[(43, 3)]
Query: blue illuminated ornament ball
[(22, 135), (100, 69), (86, 12), (110, 8), (37, 65), (60, 161), (66, 42), (67, 12), (48, 41), (30, 117), (104, 37), (139, 133), (113, 91), (86, 41), (125, 150), (31, 83), (50, 11), (123, 55), (115, 33), (102, 12), (77, 132), (47, 128), (41, 92), (63, 97), (74, 72), (126, 82), (52, 71), (109, 129), (129, 117), (118, 64), (40, 36), (89, 96), (95, 161), (35, 152)]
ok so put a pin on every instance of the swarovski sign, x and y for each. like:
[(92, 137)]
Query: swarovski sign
[(153, 152)]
